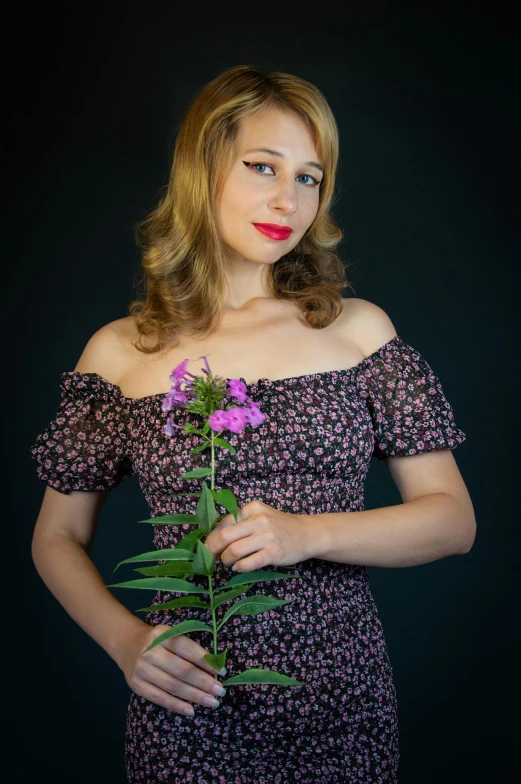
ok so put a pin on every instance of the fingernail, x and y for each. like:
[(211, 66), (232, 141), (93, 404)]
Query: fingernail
[(234, 568), (223, 671), (218, 690), (189, 712), (210, 702)]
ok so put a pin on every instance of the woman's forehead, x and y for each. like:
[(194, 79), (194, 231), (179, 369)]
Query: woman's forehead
[(277, 132)]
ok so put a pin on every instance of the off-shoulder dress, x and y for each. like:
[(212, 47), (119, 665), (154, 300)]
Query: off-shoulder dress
[(310, 456)]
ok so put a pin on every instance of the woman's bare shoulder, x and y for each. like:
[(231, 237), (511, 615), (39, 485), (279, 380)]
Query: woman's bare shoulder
[(368, 324), (109, 350)]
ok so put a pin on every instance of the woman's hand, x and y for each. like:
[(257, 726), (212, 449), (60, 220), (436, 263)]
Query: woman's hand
[(171, 673), (262, 536)]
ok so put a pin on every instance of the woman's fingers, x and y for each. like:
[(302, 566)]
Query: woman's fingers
[(164, 700), (168, 679), (215, 541), (226, 521), (191, 674), (184, 687), (248, 546), (188, 649), (222, 536)]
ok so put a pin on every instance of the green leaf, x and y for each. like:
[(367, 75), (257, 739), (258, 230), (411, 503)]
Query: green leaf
[(205, 512), (184, 601), (254, 577), (225, 445), (160, 555), (200, 448), (226, 597), (171, 569), (181, 628), (199, 431), (256, 675), (227, 499), (216, 661), (204, 562), (168, 584), (197, 473), (253, 605), (189, 541), (176, 519)]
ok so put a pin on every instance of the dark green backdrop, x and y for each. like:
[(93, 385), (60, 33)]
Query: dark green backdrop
[(427, 105)]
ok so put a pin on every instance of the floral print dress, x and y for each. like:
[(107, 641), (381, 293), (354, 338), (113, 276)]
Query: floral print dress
[(310, 456)]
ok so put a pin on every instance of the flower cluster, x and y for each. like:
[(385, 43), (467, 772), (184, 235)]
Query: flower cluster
[(233, 418)]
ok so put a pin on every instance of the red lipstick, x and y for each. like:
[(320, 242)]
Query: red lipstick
[(274, 231)]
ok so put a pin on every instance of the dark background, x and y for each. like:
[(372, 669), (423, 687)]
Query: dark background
[(427, 104)]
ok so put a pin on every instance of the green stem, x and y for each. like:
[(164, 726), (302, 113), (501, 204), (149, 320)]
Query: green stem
[(210, 586), (214, 625), (213, 460)]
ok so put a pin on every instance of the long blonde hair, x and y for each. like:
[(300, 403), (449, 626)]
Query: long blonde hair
[(184, 260)]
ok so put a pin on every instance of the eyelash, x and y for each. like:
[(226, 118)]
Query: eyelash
[(250, 165)]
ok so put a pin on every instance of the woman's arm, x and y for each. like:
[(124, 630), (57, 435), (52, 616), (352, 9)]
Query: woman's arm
[(436, 518), (61, 544), (409, 534), (174, 673)]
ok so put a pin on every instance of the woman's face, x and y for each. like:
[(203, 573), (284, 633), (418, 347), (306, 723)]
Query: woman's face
[(274, 179)]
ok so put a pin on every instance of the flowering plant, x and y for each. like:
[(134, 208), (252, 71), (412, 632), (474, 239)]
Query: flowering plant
[(204, 395)]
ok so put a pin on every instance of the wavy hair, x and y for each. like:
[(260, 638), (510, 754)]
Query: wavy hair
[(183, 256)]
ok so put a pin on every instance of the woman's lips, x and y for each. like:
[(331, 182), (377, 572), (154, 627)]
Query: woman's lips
[(273, 231)]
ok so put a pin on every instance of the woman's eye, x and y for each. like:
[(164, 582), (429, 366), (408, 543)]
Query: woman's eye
[(313, 180), (261, 165), (257, 166)]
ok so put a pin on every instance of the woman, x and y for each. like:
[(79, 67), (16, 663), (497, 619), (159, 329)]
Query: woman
[(240, 266)]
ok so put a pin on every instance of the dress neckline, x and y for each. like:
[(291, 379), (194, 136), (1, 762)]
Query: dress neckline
[(268, 382)]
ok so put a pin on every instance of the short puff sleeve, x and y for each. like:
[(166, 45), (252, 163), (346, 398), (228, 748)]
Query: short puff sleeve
[(87, 445), (405, 399)]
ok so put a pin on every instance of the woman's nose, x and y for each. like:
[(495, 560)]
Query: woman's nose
[(284, 197)]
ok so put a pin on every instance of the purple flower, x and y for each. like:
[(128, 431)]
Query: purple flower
[(236, 419), (254, 415), (207, 369), (176, 397), (170, 428), (218, 420), (179, 372), (237, 389)]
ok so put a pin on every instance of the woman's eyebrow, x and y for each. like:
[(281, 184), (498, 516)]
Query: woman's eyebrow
[(280, 155)]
